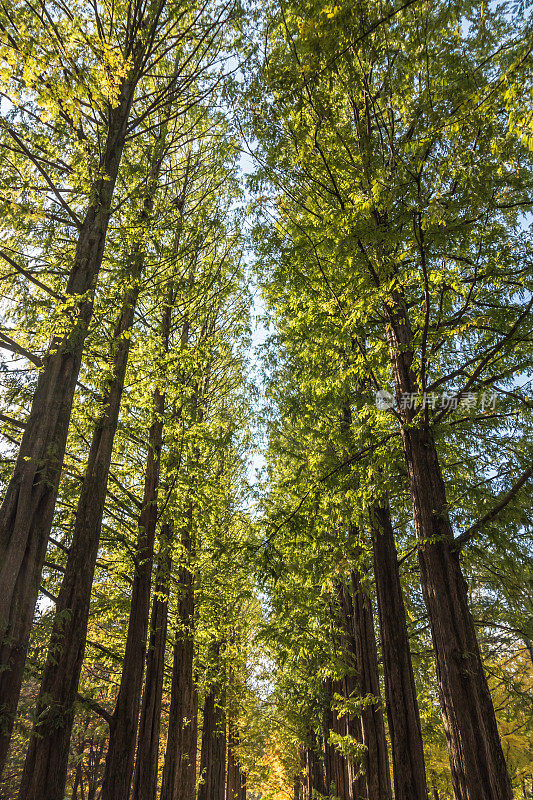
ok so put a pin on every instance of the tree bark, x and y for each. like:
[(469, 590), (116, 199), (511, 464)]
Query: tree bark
[(213, 754), (145, 778), (179, 770), (361, 639), (27, 510), (47, 758), (478, 767), (403, 716)]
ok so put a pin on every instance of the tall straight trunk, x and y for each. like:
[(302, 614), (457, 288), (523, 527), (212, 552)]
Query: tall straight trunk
[(361, 640), (213, 754), (298, 787), (314, 781), (236, 779), (357, 785), (145, 779), (478, 767), (336, 766), (408, 766), (118, 770), (47, 758), (179, 770), (27, 510)]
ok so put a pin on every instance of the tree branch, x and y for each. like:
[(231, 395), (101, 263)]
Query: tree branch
[(95, 706), (11, 421), (27, 274), (14, 347), (461, 540)]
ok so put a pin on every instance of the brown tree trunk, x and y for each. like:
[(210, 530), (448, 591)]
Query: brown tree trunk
[(408, 766), (213, 754), (314, 771), (145, 779), (361, 640), (123, 728), (47, 758), (179, 770), (28, 507), (236, 779), (356, 777), (478, 767), (298, 789), (336, 766)]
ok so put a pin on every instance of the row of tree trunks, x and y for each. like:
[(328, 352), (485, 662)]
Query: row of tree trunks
[(403, 716), (123, 727), (360, 638), (214, 745), (47, 758), (27, 511), (478, 767), (146, 765), (179, 769), (119, 765)]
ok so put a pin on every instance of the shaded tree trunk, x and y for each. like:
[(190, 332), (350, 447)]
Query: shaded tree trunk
[(298, 788), (314, 771), (179, 770), (478, 767), (236, 779), (213, 754), (27, 510), (361, 640), (336, 767), (400, 692), (47, 758), (145, 778), (356, 777)]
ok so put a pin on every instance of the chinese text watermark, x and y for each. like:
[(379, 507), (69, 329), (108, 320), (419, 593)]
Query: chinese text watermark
[(484, 401)]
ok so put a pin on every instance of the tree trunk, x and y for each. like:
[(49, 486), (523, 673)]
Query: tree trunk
[(47, 758), (236, 779), (336, 766), (145, 780), (123, 728), (477, 762), (361, 638), (179, 770), (28, 507), (314, 771), (356, 777), (400, 692), (213, 755)]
